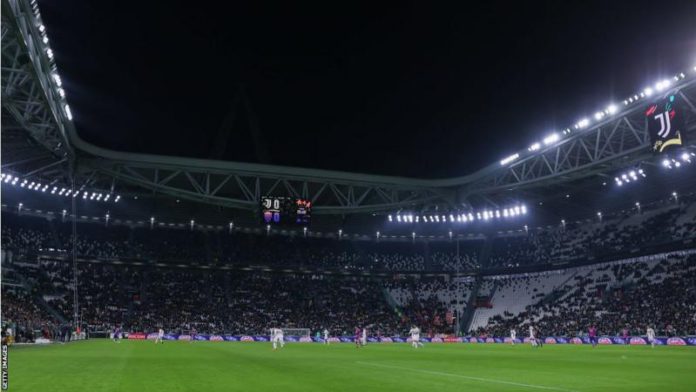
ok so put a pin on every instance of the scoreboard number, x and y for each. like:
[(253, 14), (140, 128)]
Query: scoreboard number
[(282, 210)]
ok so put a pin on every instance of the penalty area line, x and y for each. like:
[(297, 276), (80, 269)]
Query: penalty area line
[(481, 379)]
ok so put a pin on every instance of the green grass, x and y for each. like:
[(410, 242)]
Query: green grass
[(142, 366)]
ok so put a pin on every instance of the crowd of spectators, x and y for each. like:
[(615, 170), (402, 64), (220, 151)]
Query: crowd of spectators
[(144, 278), (631, 296), (144, 298), (660, 223)]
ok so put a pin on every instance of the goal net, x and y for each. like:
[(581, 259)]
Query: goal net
[(297, 332)]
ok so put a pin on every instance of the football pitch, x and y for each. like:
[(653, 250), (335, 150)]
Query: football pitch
[(102, 365)]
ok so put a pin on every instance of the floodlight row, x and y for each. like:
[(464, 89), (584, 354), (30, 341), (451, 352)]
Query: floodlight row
[(610, 110), (459, 217), (58, 190)]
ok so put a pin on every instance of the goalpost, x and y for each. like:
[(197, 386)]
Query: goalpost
[(296, 332)]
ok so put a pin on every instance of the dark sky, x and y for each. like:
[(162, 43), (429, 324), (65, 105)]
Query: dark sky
[(410, 89)]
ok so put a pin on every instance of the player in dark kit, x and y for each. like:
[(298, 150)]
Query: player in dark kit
[(593, 335), (357, 337)]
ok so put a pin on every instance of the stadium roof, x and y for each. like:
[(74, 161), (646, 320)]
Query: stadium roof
[(40, 141), (395, 89)]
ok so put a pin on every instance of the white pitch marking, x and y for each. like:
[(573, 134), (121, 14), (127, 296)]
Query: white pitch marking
[(490, 380)]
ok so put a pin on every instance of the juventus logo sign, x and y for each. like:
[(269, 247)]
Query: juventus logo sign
[(665, 123)]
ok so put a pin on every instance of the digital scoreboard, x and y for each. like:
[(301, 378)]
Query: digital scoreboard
[(287, 211)]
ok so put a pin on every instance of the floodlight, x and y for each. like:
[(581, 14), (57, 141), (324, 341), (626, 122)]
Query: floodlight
[(509, 159), (552, 138)]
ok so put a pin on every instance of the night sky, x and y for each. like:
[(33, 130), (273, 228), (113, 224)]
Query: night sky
[(409, 89)]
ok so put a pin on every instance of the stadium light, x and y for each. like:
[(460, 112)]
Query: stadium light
[(663, 84), (648, 92), (612, 109), (598, 116), (68, 112), (583, 123), (509, 159), (390, 218), (552, 138), (534, 147)]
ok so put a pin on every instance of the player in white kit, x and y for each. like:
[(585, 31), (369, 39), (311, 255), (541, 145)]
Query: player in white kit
[(532, 339), (651, 336), (160, 336), (326, 336), (277, 338), (513, 336), (363, 340), (415, 337)]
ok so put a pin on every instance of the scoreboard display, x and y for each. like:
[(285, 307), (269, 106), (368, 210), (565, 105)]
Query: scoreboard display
[(288, 211)]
